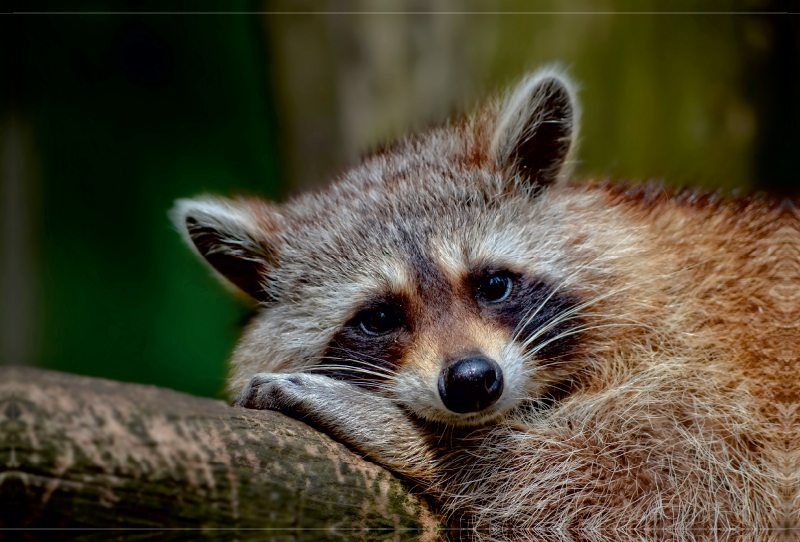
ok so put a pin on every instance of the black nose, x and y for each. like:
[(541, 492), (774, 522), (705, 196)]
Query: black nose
[(471, 384)]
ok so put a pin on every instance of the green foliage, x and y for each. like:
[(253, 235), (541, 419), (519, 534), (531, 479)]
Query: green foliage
[(128, 114)]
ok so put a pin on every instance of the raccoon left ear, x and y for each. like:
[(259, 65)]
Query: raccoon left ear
[(536, 129), (237, 238)]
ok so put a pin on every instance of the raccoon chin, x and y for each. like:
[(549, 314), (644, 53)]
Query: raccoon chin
[(484, 417), (440, 415)]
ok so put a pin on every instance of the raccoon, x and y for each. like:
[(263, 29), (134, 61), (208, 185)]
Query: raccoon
[(534, 353)]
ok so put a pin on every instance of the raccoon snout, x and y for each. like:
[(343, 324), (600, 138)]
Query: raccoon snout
[(471, 384)]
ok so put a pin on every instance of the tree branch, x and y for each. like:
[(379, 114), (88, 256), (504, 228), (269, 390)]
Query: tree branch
[(86, 452)]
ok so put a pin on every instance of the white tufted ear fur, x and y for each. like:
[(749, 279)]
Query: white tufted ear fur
[(237, 238), (536, 129)]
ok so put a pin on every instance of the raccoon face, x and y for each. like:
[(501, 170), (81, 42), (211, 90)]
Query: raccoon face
[(464, 354), (415, 274)]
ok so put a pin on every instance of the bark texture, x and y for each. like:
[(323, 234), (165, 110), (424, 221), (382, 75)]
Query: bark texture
[(79, 453)]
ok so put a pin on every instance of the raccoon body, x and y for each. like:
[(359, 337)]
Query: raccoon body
[(536, 354)]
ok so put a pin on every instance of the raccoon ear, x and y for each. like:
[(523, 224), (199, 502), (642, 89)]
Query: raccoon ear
[(536, 129), (238, 238)]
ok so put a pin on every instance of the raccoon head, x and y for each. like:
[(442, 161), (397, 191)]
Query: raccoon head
[(428, 272)]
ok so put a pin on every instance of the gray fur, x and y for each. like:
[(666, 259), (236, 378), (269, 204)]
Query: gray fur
[(650, 435)]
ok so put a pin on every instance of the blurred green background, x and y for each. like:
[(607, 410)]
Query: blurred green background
[(108, 117)]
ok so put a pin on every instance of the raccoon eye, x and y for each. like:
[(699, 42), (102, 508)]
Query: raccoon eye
[(495, 287), (380, 320)]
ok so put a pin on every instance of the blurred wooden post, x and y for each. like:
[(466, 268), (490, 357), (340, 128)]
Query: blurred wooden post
[(87, 452), (349, 78)]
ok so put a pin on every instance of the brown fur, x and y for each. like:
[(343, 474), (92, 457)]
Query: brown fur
[(667, 400)]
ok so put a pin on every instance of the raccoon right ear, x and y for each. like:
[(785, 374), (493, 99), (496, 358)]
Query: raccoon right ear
[(237, 238), (536, 129)]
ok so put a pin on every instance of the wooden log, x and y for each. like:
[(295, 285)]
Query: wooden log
[(78, 452)]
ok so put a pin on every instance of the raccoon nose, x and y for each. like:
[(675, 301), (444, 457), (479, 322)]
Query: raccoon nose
[(471, 384)]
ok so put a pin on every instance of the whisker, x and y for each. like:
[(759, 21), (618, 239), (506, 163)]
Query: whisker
[(348, 351), (361, 357), (349, 368), (585, 327), (356, 365), (381, 363), (556, 319), (571, 332)]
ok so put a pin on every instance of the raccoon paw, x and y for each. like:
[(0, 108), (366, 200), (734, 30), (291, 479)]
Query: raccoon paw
[(272, 391)]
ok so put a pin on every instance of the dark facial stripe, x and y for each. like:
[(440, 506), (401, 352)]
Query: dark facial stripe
[(431, 283), (531, 307), (360, 361), (364, 358)]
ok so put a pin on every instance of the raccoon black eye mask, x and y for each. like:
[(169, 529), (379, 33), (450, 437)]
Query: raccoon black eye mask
[(425, 306)]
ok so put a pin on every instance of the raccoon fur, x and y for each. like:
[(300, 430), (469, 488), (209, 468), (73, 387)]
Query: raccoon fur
[(538, 355)]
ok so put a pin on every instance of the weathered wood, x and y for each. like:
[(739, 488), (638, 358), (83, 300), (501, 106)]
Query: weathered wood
[(86, 452)]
